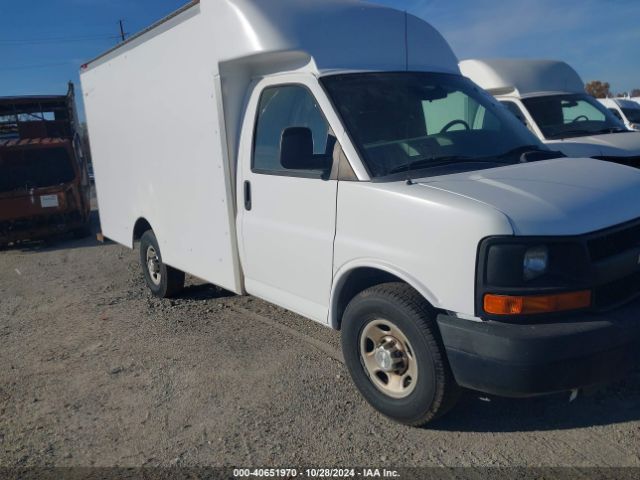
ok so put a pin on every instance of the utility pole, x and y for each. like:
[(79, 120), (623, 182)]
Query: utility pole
[(122, 34)]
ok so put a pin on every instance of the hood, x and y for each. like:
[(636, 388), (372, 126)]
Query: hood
[(625, 144), (566, 196)]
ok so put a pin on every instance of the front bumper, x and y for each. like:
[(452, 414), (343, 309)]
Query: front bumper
[(518, 360)]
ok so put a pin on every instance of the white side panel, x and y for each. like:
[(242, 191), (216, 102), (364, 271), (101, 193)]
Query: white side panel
[(157, 141), (427, 237)]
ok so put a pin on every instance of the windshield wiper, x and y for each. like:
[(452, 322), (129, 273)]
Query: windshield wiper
[(522, 152), (433, 162), (568, 133), (430, 163), (526, 152), (519, 150), (613, 130)]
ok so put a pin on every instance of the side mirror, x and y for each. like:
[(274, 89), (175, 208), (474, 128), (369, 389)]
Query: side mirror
[(296, 151)]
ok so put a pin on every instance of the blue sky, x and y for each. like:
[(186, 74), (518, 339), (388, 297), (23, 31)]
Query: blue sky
[(44, 42)]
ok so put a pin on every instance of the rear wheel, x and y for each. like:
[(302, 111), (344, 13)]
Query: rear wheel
[(396, 359), (163, 281)]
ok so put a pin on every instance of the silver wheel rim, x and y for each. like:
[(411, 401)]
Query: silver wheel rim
[(388, 358), (153, 265)]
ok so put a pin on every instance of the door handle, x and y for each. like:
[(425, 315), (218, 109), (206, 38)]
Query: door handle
[(247, 195)]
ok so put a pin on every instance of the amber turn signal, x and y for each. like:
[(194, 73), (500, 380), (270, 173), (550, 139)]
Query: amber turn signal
[(522, 305)]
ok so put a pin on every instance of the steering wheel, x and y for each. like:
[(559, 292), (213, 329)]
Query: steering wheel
[(455, 122), (577, 119)]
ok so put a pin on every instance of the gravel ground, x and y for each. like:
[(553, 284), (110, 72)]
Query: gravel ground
[(96, 372)]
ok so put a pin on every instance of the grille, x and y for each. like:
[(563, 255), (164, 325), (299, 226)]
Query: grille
[(613, 243), (617, 292), (605, 245), (629, 161)]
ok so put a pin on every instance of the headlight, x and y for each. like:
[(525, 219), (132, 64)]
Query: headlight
[(535, 274), (536, 261), (530, 263)]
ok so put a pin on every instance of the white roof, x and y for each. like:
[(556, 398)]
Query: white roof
[(523, 77), (332, 34)]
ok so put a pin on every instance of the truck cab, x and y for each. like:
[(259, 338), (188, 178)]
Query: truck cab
[(332, 160), (549, 98), (625, 110)]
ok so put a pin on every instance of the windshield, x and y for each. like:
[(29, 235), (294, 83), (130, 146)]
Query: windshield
[(567, 116), (25, 169), (408, 121)]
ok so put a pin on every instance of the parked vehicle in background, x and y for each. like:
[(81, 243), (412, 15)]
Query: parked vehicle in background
[(329, 157), (549, 98), (44, 185), (625, 110)]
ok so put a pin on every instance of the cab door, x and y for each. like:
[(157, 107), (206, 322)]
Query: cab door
[(287, 202)]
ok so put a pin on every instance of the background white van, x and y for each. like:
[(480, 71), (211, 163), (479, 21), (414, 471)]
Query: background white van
[(548, 96), (625, 109)]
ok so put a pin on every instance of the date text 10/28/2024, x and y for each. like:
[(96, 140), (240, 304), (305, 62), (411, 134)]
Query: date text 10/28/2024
[(314, 473)]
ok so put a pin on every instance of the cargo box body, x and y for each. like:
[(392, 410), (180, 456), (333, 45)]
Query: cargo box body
[(156, 133)]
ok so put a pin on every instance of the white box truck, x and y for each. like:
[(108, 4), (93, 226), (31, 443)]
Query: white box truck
[(309, 153), (549, 97)]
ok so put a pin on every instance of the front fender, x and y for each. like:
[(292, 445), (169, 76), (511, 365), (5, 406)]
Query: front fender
[(343, 273)]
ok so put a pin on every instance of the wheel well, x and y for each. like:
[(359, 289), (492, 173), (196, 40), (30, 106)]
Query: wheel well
[(140, 227), (357, 281)]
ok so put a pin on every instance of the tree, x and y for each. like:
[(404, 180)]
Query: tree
[(635, 92), (598, 89)]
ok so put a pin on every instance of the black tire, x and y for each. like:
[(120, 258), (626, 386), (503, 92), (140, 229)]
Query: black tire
[(435, 392), (168, 281)]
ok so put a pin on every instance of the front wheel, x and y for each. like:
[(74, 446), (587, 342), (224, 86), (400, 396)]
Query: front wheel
[(392, 349), (163, 281)]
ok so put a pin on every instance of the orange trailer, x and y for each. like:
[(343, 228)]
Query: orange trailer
[(44, 182)]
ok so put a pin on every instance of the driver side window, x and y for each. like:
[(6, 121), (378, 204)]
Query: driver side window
[(291, 109)]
